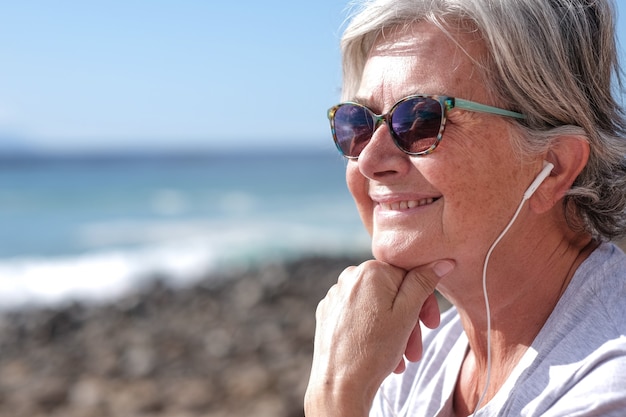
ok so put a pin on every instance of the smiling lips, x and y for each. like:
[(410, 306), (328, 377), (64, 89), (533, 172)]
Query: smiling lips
[(406, 204)]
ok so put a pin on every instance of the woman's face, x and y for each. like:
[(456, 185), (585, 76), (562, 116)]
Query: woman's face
[(454, 202)]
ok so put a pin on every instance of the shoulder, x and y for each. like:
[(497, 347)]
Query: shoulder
[(588, 325), (597, 294), (579, 365), (590, 387)]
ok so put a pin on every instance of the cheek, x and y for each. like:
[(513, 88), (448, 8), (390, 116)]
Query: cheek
[(480, 199), (359, 188)]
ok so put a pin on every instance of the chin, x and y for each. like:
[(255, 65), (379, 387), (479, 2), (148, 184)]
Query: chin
[(396, 256), (400, 250)]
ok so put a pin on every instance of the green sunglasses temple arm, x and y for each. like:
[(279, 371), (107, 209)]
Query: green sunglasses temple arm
[(482, 108)]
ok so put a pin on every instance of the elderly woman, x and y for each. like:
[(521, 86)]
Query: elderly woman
[(486, 159)]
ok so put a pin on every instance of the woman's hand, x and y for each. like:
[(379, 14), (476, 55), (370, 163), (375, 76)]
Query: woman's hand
[(366, 323)]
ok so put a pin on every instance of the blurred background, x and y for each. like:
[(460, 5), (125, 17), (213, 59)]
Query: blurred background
[(151, 151), (172, 206), (164, 136)]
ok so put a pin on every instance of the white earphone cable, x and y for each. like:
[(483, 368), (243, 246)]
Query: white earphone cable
[(486, 297)]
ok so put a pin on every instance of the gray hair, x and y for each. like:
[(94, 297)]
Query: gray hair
[(553, 60)]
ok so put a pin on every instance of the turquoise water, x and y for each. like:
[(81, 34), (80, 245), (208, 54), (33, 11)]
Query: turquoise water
[(93, 227)]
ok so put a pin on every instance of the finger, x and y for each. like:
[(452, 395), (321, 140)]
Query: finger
[(420, 283), (430, 315), (413, 350), (429, 312), (401, 367)]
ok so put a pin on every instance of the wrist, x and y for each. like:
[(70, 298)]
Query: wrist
[(331, 399)]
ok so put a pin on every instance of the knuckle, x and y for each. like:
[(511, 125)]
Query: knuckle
[(319, 310), (423, 280), (346, 275)]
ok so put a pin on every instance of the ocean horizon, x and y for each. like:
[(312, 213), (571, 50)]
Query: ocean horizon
[(91, 227)]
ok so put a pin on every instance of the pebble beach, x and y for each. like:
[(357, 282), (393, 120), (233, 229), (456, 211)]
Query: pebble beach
[(238, 343)]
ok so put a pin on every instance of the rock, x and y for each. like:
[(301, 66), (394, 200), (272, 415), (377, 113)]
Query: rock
[(237, 344)]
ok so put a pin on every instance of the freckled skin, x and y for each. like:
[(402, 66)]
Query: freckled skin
[(470, 172)]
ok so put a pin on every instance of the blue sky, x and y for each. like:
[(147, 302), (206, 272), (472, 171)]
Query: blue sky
[(157, 74)]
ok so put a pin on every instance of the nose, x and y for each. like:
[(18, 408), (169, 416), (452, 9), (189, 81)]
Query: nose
[(381, 158)]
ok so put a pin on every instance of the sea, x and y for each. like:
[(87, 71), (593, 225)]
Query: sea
[(92, 227)]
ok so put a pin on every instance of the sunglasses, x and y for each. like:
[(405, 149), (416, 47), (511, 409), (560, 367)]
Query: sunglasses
[(416, 123)]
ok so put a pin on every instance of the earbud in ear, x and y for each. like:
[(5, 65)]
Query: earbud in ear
[(547, 168)]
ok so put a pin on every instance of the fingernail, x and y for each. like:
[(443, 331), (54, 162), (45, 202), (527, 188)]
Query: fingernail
[(442, 268)]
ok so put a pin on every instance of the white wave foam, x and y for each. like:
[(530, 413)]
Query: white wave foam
[(180, 252), (98, 276)]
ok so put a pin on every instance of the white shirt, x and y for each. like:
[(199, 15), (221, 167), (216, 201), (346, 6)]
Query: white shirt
[(576, 365)]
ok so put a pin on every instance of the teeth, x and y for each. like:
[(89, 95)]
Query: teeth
[(405, 205)]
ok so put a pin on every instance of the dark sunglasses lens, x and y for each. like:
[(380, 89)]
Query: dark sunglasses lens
[(416, 123), (354, 127)]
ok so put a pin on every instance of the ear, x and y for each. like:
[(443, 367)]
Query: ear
[(569, 155)]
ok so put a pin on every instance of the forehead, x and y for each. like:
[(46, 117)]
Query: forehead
[(421, 58)]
